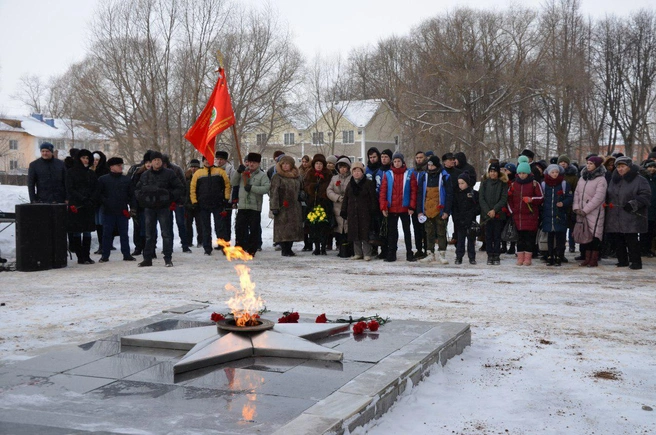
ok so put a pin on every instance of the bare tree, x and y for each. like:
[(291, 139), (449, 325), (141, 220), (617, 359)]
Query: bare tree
[(32, 92)]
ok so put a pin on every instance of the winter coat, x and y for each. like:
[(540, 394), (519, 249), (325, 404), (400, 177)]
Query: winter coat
[(335, 192), (621, 191), (210, 188), (398, 191), (316, 186), (283, 198), (454, 172), (525, 218), (463, 166), (360, 206), (554, 218), (441, 179), (46, 181), (651, 179), (230, 170), (260, 185), (493, 195), (590, 197), (179, 172), (158, 189), (466, 207), (82, 197), (116, 193), (101, 168)]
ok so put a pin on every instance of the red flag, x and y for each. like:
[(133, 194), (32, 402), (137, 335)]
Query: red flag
[(215, 117)]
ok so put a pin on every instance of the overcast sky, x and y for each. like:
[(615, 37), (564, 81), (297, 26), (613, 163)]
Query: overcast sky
[(44, 37)]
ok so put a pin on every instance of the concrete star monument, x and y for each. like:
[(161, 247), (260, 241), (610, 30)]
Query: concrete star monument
[(207, 347)]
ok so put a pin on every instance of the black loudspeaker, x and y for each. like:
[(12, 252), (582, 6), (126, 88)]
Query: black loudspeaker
[(40, 237)]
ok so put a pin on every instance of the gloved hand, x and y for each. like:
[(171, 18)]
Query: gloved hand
[(631, 206), (527, 199), (247, 187), (172, 207), (580, 213), (126, 213), (241, 169), (275, 212)]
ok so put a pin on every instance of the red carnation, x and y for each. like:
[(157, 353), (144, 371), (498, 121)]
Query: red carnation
[(358, 328), (294, 317), (373, 326), (285, 204), (73, 209), (283, 319), (126, 214), (215, 317), (224, 213), (560, 192), (321, 319), (337, 183)]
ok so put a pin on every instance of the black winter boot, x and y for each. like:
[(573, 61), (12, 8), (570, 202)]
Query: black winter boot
[(84, 257), (317, 248), (99, 232)]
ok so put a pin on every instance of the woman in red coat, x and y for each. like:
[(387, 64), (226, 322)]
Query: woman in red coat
[(524, 199)]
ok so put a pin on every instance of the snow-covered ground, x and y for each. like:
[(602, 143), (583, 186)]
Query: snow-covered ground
[(556, 351)]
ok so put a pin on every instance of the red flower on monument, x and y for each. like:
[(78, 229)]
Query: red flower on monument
[(289, 317), (359, 328), (321, 319), (215, 317), (373, 326)]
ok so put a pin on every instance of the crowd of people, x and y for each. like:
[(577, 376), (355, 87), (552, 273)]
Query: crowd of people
[(529, 209)]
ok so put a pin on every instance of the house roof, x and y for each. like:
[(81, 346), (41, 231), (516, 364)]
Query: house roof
[(359, 112), (61, 130)]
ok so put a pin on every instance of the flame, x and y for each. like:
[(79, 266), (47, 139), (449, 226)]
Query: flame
[(234, 252), (248, 411), (245, 304)]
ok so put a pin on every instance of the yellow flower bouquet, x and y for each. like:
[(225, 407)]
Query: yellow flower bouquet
[(317, 215)]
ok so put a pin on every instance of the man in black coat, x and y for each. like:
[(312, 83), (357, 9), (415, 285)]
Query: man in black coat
[(116, 195), (461, 163), (46, 177), (158, 191)]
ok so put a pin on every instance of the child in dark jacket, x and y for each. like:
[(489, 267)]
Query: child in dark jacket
[(557, 199), (465, 210)]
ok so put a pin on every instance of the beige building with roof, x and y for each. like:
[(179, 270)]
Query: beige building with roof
[(345, 128)]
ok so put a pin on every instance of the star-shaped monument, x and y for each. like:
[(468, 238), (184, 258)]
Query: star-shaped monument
[(207, 347)]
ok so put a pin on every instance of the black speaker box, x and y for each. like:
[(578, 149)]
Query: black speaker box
[(40, 237)]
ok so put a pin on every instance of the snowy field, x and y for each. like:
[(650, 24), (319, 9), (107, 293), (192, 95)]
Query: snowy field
[(554, 351)]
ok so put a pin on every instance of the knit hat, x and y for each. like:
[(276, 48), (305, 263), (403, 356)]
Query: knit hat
[(528, 153), (429, 153), (331, 159), (114, 161), (511, 167), (522, 159), (623, 161), (221, 155), (254, 157), (277, 154), (524, 168), (287, 159), (146, 157), (494, 167), (651, 155), (541, 163), (194, 163), (398, 155), (553, 167), (343, 161), (357, 165), (596, 160), (464, 176), (553, 161), (318, 158), (388, 152), (47, 146), (651, 164), (434, 160), (448, 156), (155, 155), (564, 158)]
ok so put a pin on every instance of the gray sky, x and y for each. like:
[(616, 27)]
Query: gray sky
[(44, 37)]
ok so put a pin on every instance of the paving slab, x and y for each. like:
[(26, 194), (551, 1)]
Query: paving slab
[(105, 387)]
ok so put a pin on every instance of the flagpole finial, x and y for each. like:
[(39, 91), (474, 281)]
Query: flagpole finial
[(219, 58)]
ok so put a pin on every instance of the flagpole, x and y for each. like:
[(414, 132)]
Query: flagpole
[(219, 58)]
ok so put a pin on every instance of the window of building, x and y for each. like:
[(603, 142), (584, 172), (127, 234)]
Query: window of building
[(261, 139), (289, 138), (13, 164), (347, 136), (59, 144), (13, 144), (317, 138)]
